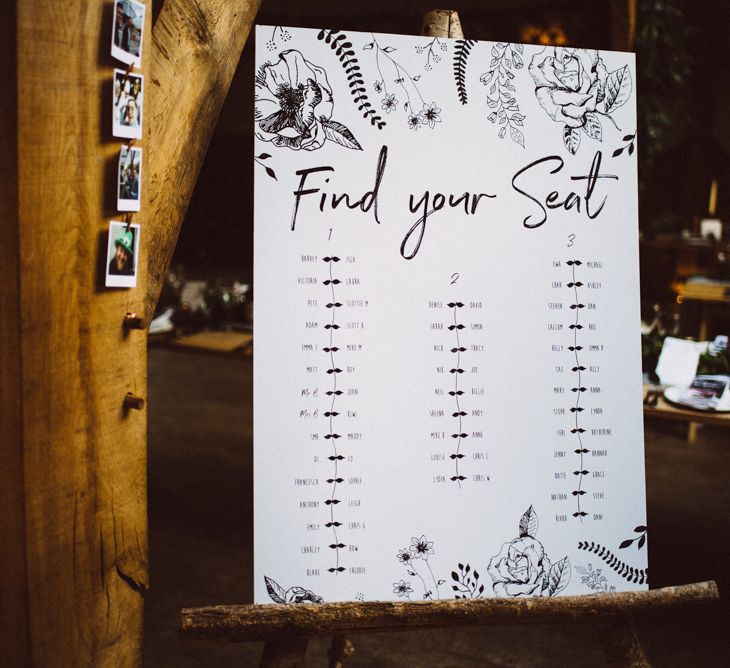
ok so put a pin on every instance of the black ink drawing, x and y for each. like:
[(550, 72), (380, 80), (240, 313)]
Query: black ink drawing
[(294, 105), (393, 80), (629, 573), (431, 54), (415, 560), (574, 87), (462, 48), (523, 569), (459, 414), (293, 595), (343, 50), (467, 583), (640, 539), (501, 96), (403, 589), (578, 389), (335, 457), (283, 34), (258, 160), (629, 148), (594, 580)]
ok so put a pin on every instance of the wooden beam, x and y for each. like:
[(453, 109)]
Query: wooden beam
[(14, 636), (272, 622), (196, 46), (72, 461)]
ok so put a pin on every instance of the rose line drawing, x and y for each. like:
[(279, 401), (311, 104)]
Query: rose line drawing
[(523, 569), (294, 105), (575, 88)]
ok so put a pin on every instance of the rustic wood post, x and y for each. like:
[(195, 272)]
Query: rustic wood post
[(73, 541), (196, 46), (73, 462)]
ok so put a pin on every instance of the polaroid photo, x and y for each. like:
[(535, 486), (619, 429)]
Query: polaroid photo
[(127, 105), (122, 255), (129, 179), (127, 31)]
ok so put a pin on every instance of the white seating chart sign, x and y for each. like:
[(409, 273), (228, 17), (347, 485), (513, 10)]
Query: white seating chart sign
[(447, 382)]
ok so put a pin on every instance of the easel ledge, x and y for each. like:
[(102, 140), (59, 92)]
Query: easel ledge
[(275, 621)]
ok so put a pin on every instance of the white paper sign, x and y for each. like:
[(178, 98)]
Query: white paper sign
[(447, 353)]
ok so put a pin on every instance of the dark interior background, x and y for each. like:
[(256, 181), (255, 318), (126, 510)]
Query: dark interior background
[(682, 78)]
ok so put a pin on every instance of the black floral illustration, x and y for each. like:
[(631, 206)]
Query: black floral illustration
[(629, 573), (335, 457), (258, 159), (294, 595), (294, 105), (394, 80), (640, 539), (628, 146), (415, 559), (466, 582), (501, 92), (459, 414), (522, 567), (577, 368), (343, 50), (403, 589), (432, 55), (574, 87), (594, 580), (462, 48), (277, 33)]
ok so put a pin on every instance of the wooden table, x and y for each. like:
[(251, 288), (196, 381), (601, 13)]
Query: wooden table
[(666, 410)]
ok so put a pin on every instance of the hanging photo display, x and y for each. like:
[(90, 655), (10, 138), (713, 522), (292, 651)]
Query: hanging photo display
[(129, 178), (127, 31), (127, 104), (121, 256), (447, 380)]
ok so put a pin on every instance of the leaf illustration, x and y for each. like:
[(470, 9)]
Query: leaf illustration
[(528, 523), (517, 136), (461, 53), (641, 542), (625, 544), (276, 592), (571, 138), (339, 134), (263, 156), (618, 88), (592, 126), (349, 62), (559, 576), (640, 529)]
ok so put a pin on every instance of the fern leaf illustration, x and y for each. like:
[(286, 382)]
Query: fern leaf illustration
[(635, 575), (461, 54), (342, 47)]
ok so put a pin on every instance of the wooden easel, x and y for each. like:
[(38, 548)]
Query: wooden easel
[(288, 628)]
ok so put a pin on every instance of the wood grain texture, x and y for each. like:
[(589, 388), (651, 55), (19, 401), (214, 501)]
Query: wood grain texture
[(267, 622), (442, 23), (75, 459), (196, 46)]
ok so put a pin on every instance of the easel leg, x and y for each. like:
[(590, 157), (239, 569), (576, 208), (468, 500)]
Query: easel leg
[(341, 648), (621, 646), (284, 653)]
